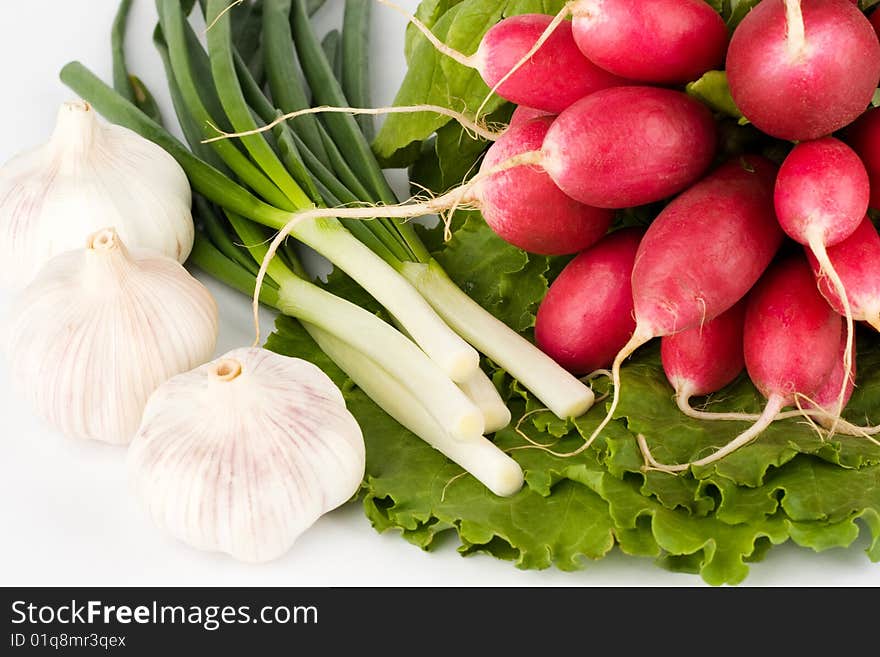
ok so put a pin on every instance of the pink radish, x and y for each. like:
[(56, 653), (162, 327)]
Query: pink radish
[(525, 208), (801, 69), (704, 359), (565, 74), (701, 361), (529, 59), (659, 41), (700, 256), (864, 137), (522, 114), (791, 342), (857, 262), (821, 197), (586, 316), (629, 146)]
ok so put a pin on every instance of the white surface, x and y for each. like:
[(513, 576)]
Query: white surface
[(66, 514)]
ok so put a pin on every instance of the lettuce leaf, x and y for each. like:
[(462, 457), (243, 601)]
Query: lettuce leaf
[(575, 509)]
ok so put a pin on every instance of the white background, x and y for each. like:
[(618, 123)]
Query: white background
[(66, 515)]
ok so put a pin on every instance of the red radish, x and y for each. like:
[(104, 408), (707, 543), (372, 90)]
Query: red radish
[(564, 74), (529, 59), (629, 146), (864, 137), (791, 342), (522, 114), (822, 192), (857, 262), (700, 256), (704, 359), (821, 197), (525, 208), (801, 69), (586, 316), (659, 41), (874, 19)]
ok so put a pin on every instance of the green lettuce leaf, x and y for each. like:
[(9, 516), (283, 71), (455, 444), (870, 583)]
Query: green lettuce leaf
[(573, 509)]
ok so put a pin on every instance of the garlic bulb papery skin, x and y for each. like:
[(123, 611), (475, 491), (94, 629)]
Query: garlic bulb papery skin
[(245, 453), (99, 329), (90, 174)]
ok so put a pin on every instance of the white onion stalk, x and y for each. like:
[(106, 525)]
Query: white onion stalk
[(90, 174), (245, 453), (480, 457), (551, 384), (99, 329), (482, 392)]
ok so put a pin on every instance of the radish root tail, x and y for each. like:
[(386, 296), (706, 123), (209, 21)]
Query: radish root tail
[(474, 128), (771, 410), (216, 20), (826, 268), (637, 340), (470, 61)]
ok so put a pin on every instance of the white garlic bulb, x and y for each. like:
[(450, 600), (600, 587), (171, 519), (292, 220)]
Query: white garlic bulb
[(245, 453), (89, 175), (99, 329)]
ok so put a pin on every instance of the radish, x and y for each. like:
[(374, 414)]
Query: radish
[(857, 263), (659, 41), (801, 69), (864, 138), (701, 362), (821, 197), (586, 316), (628, 146), (529, 59), (700, 256), (874, 19), (617, 148), (522, 114), (523, 205), (791, 342), (704, 359)]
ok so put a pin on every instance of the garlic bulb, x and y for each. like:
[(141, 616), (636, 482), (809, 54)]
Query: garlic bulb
[(89, 175), (245, 453), (99, 329)]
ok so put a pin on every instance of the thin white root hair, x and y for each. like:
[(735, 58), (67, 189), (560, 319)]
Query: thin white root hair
[(683, 401), (454, 198), (826, 268), (592, 376), (473, 127), (522, 434), (808, 416), (222, 14), (774, 405), (449, 483), (551, 28), (465, 60)]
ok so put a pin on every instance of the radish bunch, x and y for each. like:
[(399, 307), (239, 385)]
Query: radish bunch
[(595, 133)]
